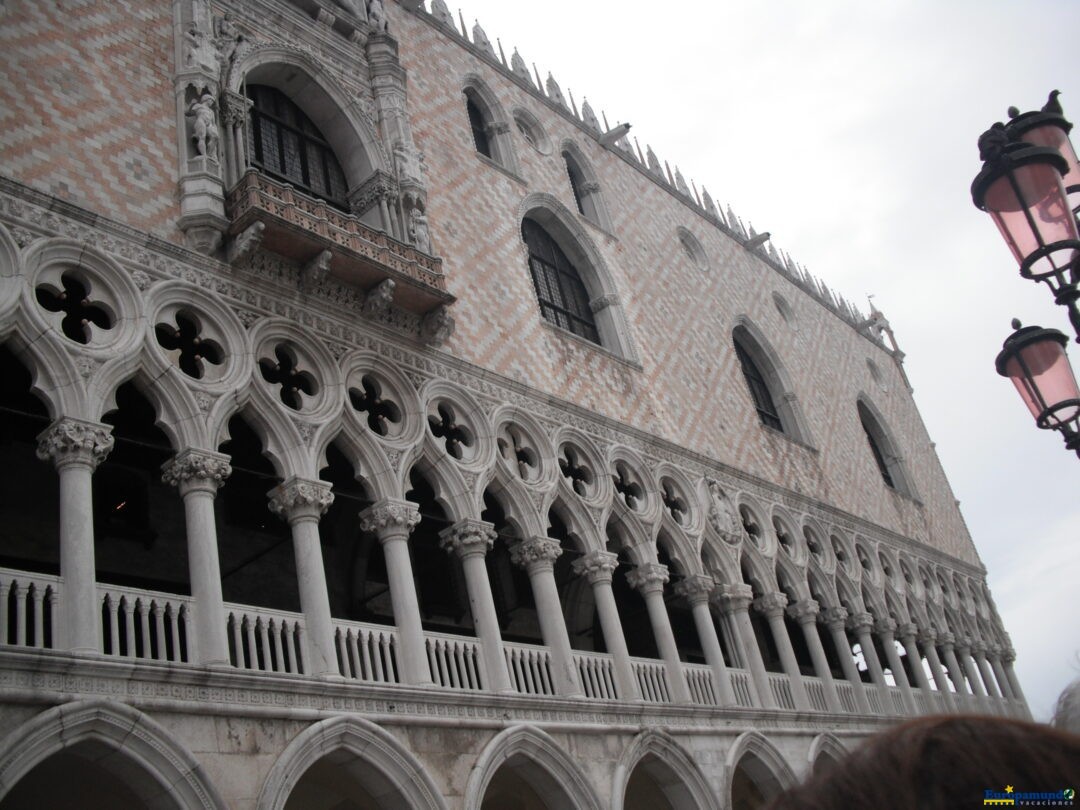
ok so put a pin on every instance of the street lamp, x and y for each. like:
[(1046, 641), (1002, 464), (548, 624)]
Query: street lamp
[(1022, 185), (1034, 359)]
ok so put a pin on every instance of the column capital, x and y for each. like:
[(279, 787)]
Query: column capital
[(696, 588), (1008, 655), (907, 631), (963, 645), (861, 621), (468, 538), (195, 470), (75, 441), (804, 611), (648, 577), (978, 648), (535, 553), (300, 499), (596, 566), (736, 597), (927, 637), (771, 605), (388, 518), (885, 626), (835, 618), (993, 651), (947, 640)]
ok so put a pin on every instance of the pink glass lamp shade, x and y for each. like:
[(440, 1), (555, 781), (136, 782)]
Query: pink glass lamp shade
[(1034, 359), (1049, 128)]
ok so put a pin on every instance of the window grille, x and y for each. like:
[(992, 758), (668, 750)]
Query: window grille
[(561, 293)]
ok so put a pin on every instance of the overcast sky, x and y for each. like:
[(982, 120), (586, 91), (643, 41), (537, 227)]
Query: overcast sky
[(848, 130)]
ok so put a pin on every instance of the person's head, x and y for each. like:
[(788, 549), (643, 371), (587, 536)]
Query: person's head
[(943, 763)]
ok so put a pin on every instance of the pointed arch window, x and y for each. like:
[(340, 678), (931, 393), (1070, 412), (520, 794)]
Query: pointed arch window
[(879, 457), (759, 388), (585, 188), (286, 144), (479, 128), (883, 449), (563, 299)]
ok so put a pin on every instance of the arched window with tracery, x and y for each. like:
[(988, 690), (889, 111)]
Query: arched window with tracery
[(284, 143), (759, 388), (563, 299), (883, 449), (768, 383)]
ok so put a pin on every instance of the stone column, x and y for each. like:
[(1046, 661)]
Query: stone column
[(391, 522), (697, 590), (537, 556), (994, 657), (835, 619), (771, 606), (978, 652), (906, 633), (963, 654), (470, 540), (76, 448), (302, 503), (806, 613), (198, 474), (736, 600), (886, 628), (648, 579), (860, 624), (598, 567), (947, 642), (1008, 656), (929, 644)]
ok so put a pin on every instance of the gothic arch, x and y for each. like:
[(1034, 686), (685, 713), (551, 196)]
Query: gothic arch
[(826, 750), (174, 779), (777, 379), (493, 120), (366, 456), (53, 372), (679, 776), (793, 576), (548, 769), (881, 438), (371, 745), (10, 274), (585, 185), (175, 411), (341, 118), (767, 764), (567, 231)]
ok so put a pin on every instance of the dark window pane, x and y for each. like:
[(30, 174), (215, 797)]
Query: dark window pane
[(759, 390), (875, 449), (479, 128), (563, 298)]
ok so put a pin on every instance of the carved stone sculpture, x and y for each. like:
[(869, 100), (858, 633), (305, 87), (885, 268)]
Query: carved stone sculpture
[(205, 127), (418, 231), (480, 39), (380, 298), (588, 117), (200, 51), (245, 243), (722, 516), (316, 270), (437, 327), (376, 14)]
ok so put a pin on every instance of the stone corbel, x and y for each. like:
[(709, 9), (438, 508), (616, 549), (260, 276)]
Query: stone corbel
[(245, 243), (437, 327), (315, 271)]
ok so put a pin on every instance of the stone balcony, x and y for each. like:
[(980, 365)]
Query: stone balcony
[(156, 628), (301, 227)]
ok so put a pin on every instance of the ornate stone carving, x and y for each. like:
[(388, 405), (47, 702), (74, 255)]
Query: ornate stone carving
[(317, 269), (73, 441), (141, 280), (204, 128), (376, 15), (588, 117), (736, 597), (596, 566), (441, 13), (886, 626), (680, 183), (653, 161), (602, 302), (554, 91), (227, 39), (648, 577), (722, 515), (86, 366), (480, 39), (196, 468), (299, 498), (199, 50), (380, 186), (804, 611), (835, 617), (906, 630), (860, 622), (535, 552), (696, 588), (245, 243), (418, 230), (772, 604), (707, 202), (946, 640), (467, 538), (387, 517), (235, 108), (517, 64), (379, 299), (437, 327)]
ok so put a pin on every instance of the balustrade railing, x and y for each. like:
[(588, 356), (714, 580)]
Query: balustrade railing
[(28, 604), (781, 689), (700, 680), (530, 668), (597, 674), (454, 661), (145, 624), (367, 652), (652, 680), (815, 691), (740, 682), (897, 698), (265, 640), (873, 696), (846, 692)]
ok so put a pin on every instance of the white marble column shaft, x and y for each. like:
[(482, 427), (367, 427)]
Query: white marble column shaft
[(835, 619), (648, 579), (736, 600), (886, 629), (806, 614), (697, 590), (598, 567), (771, 606)]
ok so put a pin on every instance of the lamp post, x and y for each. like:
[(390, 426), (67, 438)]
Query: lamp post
[(1022, 185), (1034, 359)]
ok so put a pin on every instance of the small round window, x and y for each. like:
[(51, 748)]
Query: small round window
[(785, 310), (529, 129)]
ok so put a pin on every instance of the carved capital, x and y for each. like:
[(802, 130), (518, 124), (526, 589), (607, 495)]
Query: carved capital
[(380, 186), (861, 622), (648, 578), (928, 638), (963, 645), (194, 470), (947, 640), (1008, 655), (73, 441), (388, 519), (300, 499), (978, 649), (906, 631), (696, 589), (535, 553), (805, 611), (771, 605), (596, 566), (468, 538), (234, 108), (736, 597), (835, 618), (885, 627)]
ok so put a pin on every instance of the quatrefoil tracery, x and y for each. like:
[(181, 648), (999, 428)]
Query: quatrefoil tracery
[(382, 413), (627, 487), (516, 449), (575, 471), (80, 312), (191, 350), (443, 424), (674, 502), (286, 374)]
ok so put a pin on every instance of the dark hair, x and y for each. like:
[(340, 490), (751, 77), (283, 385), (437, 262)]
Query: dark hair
[(942, 763)]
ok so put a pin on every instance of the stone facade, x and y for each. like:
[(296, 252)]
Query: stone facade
[(497, 563)]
